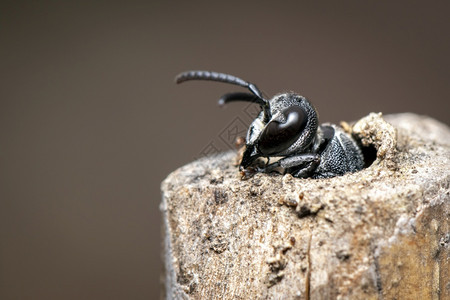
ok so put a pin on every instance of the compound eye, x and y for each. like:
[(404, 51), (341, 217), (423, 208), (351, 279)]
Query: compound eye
[(278, 136)]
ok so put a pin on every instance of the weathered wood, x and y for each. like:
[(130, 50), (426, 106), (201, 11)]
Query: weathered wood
[(381, 233)]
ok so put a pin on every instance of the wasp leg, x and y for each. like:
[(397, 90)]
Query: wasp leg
[(301, 166), (326, 175)]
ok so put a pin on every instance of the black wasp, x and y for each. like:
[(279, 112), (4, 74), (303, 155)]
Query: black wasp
[(287, 128)]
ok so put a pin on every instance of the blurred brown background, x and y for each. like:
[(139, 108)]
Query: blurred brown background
[(91, 121)]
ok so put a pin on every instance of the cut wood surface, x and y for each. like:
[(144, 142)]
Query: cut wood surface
[(381, 233)]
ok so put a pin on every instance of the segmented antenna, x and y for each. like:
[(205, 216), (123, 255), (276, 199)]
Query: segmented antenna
[(221, 77), (238, 96)]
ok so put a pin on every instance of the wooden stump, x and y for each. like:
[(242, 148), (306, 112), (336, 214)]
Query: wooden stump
[(381, 233)]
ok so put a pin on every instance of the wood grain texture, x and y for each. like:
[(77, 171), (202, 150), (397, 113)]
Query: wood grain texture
[(381, 233)]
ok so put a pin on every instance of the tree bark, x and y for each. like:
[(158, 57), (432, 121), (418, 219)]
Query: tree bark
[(380, 233)]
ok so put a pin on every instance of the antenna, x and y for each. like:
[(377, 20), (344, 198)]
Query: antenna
[(221, 77)]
